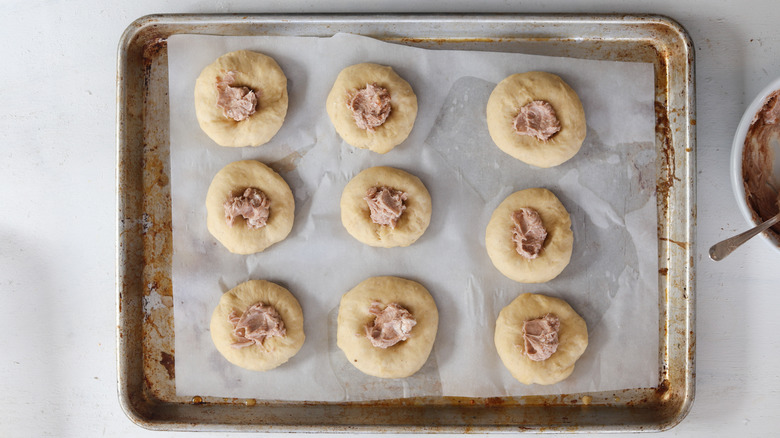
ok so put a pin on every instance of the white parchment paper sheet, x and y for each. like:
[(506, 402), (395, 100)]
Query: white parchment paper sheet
[(608, 188)]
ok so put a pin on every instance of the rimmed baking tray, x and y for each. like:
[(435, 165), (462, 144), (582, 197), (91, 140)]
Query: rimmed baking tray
[(145, 338)]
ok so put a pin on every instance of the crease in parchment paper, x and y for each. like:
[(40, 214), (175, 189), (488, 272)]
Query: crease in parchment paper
[(608, 189)]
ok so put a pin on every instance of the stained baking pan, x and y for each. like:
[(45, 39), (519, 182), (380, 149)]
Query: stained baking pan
[(146, 373)]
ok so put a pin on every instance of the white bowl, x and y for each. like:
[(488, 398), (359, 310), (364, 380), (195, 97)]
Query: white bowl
[(736, 158)]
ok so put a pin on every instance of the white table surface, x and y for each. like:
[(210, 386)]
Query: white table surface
[(57, 226)]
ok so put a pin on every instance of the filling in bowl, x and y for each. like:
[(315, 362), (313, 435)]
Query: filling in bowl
[(759, 178)]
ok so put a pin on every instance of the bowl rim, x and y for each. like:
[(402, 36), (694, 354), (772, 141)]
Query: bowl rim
[(738, 145)]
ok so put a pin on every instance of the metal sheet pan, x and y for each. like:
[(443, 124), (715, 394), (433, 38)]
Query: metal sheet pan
[(145, 353)]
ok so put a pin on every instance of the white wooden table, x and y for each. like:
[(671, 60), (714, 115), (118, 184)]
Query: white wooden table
[(57, 226)]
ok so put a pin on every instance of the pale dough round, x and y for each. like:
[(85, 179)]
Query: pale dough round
[(232, 180), (256, 71), (402, 359), (521, 89), (572, 339), (274, 351), (403, 104), (356, 216), (557, 248)]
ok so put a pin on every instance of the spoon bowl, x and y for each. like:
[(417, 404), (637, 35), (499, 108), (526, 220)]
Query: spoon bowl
[(720, 250)]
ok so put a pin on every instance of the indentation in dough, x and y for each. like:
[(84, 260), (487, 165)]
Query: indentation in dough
[(528, 233), (370, 106), (540, 337), (237, 103), (253, 205), (386, 205), (537, 119), (392, 325), (253, 326)]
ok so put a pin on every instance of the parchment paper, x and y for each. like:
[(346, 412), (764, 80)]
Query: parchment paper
[(608, 188)]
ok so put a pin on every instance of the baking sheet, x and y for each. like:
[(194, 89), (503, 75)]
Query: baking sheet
[(608, 188)]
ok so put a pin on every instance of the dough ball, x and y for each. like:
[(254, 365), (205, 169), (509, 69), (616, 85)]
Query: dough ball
[(231, 181), (262, 75), (402, 359), (403, 104), (557, 248), (356, 216), (572, 339), (275, 350), (518, 90)]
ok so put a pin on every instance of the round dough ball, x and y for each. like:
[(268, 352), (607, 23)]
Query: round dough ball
[(572, 339), (557, 248), (402, 359), (356, 216), (261, 74), (521, 89), (403, 104), (275, 350), (231, 181)]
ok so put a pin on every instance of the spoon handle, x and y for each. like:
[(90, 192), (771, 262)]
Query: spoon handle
[(720, 250)]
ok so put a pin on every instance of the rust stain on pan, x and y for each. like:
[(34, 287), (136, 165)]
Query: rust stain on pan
[(683, 245), (663, 388), (443, 41), (666, 175), (494, 401), (153, 48), (167, 361)]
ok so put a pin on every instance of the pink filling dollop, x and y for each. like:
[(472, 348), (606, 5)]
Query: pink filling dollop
[(386, 205), (237, 103), (255, 325), (392, 325), (529, 233), (370, 106), (537, 119), (253, 205), (540, 337)]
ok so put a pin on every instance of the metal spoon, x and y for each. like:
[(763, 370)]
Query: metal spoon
[(720, 250)]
